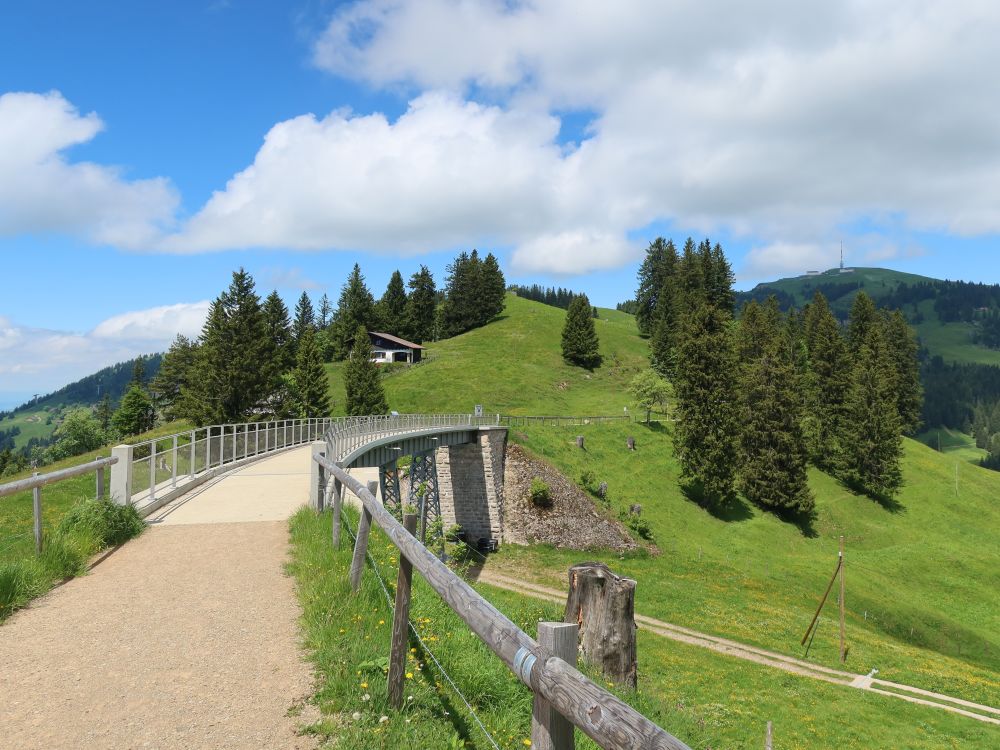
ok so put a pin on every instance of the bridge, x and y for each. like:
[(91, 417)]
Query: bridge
[(187, 636)]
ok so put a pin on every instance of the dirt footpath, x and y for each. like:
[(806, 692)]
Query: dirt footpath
[(184, 638)]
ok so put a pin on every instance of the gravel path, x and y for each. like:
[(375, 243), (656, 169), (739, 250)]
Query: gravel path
[(184, 638)]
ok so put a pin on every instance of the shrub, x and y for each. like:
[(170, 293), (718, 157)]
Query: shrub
[(20, 581), (108, 523), (540, 493), (587, 479)]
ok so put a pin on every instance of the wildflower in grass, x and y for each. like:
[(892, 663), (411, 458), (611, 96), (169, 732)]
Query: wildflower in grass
[(366, 697), (526, 742), (409, 675), (383, 719), (364, 685), (381, 622), (356, 716)]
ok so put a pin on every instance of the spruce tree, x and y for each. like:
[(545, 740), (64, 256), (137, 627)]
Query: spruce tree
[(705, 388), (278, 328), (362, 380), (579, 338), (909, 391), (463, 291), (720, 292), (305, 318), (650, 278), (355, 309), (235, 378), (392, 307), (324, 313), (494, 288), (421, 305), (103, 413), (772, 457), (176, 371), (135, 414), (309, 383), (825, 384), (872, 446), (864, 316), (664, 331)]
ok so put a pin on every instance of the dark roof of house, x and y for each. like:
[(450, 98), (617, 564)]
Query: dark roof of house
[(395, 339)]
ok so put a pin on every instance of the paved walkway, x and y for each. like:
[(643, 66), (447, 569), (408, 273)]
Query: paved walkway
[(184, 638)]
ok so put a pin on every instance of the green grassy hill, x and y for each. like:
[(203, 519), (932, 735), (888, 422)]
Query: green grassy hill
[(514, 366), (952, 341)]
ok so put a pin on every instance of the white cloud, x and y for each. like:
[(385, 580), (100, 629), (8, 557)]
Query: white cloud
[(568, 252), (787, 259), (155, 324), (42, 191), (39, 360), (290, 278)]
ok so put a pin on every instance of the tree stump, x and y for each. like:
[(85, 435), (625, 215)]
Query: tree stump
[(602, 490), (602, 604), (631, 443), (579, 441), (635, 509)]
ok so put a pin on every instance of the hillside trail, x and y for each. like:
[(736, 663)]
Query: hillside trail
[(869, 682), (186, 637)]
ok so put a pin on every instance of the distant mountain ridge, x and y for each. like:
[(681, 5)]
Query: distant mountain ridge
[(950, 317)]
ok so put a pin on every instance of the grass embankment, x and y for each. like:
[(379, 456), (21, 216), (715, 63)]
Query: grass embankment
[(74, 527), (705, 699), (514, 366), (921, 575), (952, 443)]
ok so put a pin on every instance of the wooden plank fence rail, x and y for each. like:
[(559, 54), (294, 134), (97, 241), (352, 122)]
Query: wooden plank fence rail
[(609, 721), (36, 481)]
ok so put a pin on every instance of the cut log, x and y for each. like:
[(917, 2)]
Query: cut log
[(602, 604), (579, 441), (602, 490), (631, 443)]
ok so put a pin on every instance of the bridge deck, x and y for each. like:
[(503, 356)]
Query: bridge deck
[(185, 637)]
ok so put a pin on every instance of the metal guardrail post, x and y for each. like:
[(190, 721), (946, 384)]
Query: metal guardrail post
[(173, 464), (99, 484), (152, 471), (193, 467)]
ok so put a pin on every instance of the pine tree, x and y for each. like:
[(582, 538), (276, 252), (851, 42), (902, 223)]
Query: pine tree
[(872, 446), (355, 308), (705, 388), (362, 380), (305, 318), (909, 391), (825, 384), (139, 371), (104, 412), (278, 328), (310, 389), (579, 338), (176, 372), (772, 457), (421, 306), (392, 307), (462, 309), (720, 292)]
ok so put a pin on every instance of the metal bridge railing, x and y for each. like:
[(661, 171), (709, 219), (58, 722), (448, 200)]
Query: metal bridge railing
[(154, 471), (347, 434)]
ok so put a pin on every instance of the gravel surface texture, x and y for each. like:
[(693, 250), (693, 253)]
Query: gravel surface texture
[(183, 638)]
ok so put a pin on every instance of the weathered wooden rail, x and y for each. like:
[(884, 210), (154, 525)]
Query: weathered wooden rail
[(609, 721), (36, 481)]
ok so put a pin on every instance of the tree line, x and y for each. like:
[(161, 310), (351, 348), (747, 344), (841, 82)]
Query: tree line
[(759, 399), (547, 295)]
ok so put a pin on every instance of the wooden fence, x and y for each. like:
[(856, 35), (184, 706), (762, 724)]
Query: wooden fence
[(36, 481), (558, 686)]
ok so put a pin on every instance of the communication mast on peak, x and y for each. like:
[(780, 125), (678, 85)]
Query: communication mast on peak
[(841, 255)]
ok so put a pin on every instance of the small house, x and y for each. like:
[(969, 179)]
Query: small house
[(389, 348)]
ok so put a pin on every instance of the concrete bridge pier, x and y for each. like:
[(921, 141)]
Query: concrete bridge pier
[(470, 483)]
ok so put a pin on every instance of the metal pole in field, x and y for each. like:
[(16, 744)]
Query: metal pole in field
[(36, 497), (843, 653), (401, 621), (173, 464), (767, 738), (550, 730)]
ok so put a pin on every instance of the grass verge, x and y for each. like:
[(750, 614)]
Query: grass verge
[(87, 528)]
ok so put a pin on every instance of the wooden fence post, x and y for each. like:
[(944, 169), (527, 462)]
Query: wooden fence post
[(401, 620), (360, 549), (338, 491), (36, 498), (550, 730), (767, 738)]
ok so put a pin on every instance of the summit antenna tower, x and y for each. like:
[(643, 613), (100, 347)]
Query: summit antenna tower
[(841, 255)]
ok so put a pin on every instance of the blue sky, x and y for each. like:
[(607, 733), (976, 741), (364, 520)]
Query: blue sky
[(148, 150)]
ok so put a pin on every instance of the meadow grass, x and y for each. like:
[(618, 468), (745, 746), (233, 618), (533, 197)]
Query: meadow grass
[(957, 445), (704, 698), (921, 573), (514, 366)]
